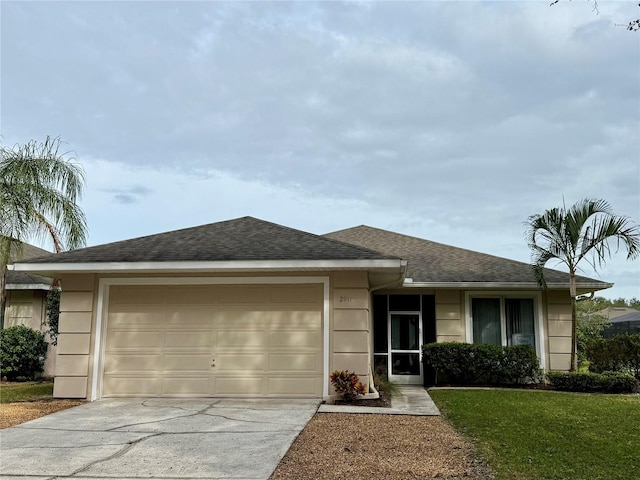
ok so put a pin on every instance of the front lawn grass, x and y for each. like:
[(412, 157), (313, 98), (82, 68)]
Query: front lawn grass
[(25, 391), (549, 435)]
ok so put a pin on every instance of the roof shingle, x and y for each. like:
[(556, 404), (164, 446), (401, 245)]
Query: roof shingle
[(244, 238), (431, 262)]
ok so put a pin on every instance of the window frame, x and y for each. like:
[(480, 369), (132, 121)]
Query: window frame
[(538, 317)]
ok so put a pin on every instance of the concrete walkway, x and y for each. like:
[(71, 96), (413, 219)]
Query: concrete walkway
[(156, 439), (410, 400)]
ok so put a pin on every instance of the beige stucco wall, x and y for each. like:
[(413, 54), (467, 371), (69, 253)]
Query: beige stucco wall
[(558, 327), (350, 341), (75, 335), (28, 308)]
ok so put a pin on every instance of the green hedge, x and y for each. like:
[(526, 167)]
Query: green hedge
[(608, 382), (620, 353), (22, 352), (474, 364)]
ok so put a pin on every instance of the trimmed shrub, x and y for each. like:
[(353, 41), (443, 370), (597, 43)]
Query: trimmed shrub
[(475, 364), (608, 382), (347, 385), (620, 354), (520, 364), (22, 352)]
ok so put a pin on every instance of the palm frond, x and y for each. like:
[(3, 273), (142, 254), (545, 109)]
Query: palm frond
[(585, 231), (39, 192)]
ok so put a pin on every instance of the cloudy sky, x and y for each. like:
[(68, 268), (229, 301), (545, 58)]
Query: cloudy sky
[(451, 121)]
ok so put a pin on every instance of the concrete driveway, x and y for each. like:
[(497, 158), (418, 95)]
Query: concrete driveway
[(156, 438)]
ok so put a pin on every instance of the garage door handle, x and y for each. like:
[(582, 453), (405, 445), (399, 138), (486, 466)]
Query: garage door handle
[(213, 362)]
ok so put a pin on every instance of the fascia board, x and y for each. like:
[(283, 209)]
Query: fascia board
[(223, 266), (505, 285), (28, 286)]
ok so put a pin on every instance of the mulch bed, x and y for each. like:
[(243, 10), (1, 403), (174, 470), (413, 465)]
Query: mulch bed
[(19, 412), (385, 447)]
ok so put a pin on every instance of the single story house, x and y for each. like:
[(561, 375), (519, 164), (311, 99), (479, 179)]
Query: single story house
[(26, 299), (250, 308)]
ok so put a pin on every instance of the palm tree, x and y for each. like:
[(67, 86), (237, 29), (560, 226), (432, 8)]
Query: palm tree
[(39, 190), (584, 232)]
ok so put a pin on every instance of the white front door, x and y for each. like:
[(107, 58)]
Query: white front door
[(405, 332)]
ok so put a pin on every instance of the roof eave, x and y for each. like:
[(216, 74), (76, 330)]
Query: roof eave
[(583, 287), (28, 286), (210, 266)]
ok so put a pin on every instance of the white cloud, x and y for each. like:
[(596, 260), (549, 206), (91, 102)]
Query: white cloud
[(453, 121)]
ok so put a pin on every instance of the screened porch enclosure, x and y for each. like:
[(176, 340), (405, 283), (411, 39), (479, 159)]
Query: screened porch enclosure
[(401, 325)]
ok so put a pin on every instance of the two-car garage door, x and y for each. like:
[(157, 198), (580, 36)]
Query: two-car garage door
[(214, 340)]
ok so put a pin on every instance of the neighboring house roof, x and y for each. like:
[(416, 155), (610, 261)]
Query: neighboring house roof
[(244, 239), (435, 263), (632, 316), (26, 281), (614, 312)]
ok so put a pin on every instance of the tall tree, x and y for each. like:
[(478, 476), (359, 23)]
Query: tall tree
[(39, 191), (586, 231)]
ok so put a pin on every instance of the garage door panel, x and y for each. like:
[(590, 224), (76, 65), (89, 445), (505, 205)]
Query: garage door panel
[(187, 362), (193, 295), (242, 294), (241, 385), (186, 386), (189, 316), (295, 339), (297, 294), (283, 320), (295, 362), (126, 363), (136, 317), (235, 339), (188, 339), (137, 295), (240, 319), (131, 340), (132, 386), (245, 362)]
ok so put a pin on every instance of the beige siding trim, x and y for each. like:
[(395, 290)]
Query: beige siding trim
[(350, 330), (74, 344), (450, 325), (102, 313), (559, 329)]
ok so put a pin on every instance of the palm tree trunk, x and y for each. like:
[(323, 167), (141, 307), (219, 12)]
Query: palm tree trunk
[(572, 292), (3, 293)]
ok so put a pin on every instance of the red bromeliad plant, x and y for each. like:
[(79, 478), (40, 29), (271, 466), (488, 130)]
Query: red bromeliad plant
[(347, 385)]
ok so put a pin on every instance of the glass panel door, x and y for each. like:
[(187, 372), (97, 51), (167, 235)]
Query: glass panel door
[(405, 330)]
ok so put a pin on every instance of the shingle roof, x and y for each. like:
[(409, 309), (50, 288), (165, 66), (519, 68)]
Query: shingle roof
[(431, 262), (615, 312), (244, 238), (633, 316), (26, 252)]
